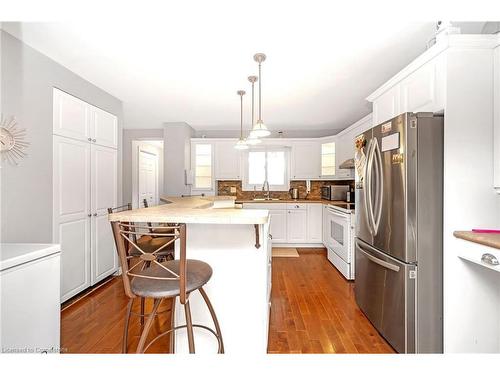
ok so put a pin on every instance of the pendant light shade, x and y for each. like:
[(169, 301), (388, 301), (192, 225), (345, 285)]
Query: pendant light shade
[(241, 144), (252, 139), (259, 129)]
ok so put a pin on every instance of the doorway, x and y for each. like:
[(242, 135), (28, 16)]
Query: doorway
[(147, 172)]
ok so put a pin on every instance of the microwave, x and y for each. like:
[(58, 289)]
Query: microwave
[(335, 192)]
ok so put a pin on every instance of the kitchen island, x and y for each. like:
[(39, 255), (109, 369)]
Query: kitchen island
[(240, 288)]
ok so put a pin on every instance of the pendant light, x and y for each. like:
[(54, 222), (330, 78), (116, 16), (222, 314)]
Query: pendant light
[(252, 139), (259, 129), (241, 144)]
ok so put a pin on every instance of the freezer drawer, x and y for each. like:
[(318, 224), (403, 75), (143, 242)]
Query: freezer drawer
[(385, 292)]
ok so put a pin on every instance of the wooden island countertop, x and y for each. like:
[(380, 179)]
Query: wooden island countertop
[(486, 239)]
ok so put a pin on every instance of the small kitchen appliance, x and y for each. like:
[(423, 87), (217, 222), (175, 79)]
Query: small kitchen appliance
[(294, 193), (334, 192)]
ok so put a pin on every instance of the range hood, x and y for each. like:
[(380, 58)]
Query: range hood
[(347, 164)]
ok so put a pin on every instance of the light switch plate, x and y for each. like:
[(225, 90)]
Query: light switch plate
[(233, 189)]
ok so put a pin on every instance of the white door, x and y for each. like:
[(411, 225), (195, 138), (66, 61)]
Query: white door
[(71, 201), (227, 161), (306, 160), (104, 195), (104, 128), (297, 226), (278, 226), (71, 116), (314, 222), (148, 178)]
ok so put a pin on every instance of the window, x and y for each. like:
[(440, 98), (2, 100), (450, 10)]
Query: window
[(270, 165), (328, 159), (203, 166)]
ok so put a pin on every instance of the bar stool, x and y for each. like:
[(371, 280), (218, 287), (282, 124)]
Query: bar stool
[(170, 279), (162, 247), (147, 243), (161, 228)]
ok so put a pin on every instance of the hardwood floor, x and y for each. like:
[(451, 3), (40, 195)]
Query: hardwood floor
[(313, 311)]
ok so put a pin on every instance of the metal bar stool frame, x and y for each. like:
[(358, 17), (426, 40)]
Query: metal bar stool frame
[(122, 232)]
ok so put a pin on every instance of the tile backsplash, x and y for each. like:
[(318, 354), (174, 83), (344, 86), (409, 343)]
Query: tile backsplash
[(224, 188)]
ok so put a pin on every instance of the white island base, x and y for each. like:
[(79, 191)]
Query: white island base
[(240, 288)]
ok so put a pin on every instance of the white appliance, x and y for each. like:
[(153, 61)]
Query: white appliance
[(29, 304), (339, 224)]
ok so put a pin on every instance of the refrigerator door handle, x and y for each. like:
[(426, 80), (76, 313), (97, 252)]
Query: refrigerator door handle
[(368, 188), (379, 182), (380, 262)]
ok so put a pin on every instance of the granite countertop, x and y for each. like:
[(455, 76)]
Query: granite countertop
[(487, 239), (189, 210)]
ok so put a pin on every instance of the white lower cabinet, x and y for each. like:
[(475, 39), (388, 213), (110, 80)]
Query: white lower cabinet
[(314, 222), (296, 226), (85, 185), (278, 228), (293, 223)]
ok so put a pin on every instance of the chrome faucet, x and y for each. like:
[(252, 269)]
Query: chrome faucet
[(265, 187)]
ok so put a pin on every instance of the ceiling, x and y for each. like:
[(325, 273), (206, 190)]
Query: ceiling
[(318, 72)]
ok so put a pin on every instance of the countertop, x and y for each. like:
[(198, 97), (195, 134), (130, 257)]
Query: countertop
[(14, 254), (193, 210), (324, 201), (343, 205), (487, 239)]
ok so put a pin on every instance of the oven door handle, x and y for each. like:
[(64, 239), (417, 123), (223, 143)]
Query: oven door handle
[(338, 214), (380, 262)]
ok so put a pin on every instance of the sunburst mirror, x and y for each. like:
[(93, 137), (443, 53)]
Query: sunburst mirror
[(12, 140)]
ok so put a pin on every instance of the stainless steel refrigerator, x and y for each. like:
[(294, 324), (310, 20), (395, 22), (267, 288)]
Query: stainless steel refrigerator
[(399, 215)]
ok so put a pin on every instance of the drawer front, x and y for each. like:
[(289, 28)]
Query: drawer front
[(296, 206), (474, 252)]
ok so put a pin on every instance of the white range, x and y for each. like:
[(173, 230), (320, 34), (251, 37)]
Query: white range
[(338, 236)]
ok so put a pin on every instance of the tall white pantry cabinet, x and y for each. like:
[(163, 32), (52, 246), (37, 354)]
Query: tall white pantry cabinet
[(85, 141)]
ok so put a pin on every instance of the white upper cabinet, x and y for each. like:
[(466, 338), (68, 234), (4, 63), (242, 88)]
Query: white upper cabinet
[(103, 128), (306, 160), (496, 130), (202, 166), (76, 119), (423, 90), (227, 161), (420, 90), (71, 116), (387, 106)]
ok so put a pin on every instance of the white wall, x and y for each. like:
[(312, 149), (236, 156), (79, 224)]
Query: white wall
[(469, 199), (177, 151), (26, 84)]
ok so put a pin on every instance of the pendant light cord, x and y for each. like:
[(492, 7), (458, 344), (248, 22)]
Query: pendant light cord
[(241, 116), (253, 84), (260, 94)]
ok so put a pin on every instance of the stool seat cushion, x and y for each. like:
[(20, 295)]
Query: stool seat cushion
[(149, 245), (198, 274)]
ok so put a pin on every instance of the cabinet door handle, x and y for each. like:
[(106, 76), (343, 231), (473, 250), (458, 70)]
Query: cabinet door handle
[(89, 215), (489, 259), (93, 140), (95, 214), (89, 139)]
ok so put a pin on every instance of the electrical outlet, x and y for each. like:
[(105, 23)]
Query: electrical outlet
[(233, 189)]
